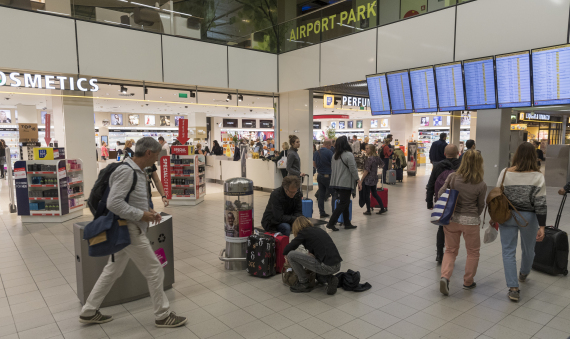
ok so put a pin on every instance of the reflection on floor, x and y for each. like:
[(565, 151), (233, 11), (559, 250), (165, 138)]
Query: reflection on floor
[(395, 252)]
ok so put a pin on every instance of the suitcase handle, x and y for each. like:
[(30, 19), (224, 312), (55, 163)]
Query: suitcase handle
[(559, 215), (307, 197), (222, 257)]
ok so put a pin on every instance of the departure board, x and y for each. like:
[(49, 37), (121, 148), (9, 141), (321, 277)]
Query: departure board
[(378, 93), (480, 83), (513, 79), (450, 87), (551, 75), (423, 89), (400, 93)]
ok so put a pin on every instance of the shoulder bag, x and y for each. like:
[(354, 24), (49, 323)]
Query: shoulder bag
[(445, 205), (282, 163), (498, 205)]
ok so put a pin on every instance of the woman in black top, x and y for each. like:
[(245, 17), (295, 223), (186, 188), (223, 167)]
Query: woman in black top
[(323, 257), (217, 149), (293, 159), (539, 152), (2, 158), (127, 150)]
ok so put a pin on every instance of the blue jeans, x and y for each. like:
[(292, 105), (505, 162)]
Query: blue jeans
[(284, 228), (509, 236), (324, 190)]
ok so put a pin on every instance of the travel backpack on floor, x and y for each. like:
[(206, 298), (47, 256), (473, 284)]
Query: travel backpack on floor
[(551, 254)]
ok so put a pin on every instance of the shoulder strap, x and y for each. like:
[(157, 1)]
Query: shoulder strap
[(135, 178), (344, 162), (503, 181)]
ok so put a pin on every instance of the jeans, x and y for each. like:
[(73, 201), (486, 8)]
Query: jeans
[(324, 181), (140, 252), (509, 236), (299, 261), (284, 228), (342, 207), (472, 237), (371, 190)]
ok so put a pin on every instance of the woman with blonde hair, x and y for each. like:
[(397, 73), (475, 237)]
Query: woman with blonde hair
[(468, 180), (199, 149), (127, 149), (283, 153), (323, 257)]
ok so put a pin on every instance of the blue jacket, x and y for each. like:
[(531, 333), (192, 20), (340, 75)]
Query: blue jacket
[(437, 151)]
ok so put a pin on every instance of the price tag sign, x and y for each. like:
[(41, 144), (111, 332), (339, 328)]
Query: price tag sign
[(61, 173), (20, 173)]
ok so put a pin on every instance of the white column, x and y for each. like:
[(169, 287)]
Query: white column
[(26, 114), (455, 128), (197, 123), (401, 128), (473, 127), (296, 117), (493, 137)]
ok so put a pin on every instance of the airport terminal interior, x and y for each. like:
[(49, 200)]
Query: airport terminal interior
[(216, 94)]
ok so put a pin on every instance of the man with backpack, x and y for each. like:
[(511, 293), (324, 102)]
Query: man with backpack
[(128, 199), (385, 154), (436, 180)]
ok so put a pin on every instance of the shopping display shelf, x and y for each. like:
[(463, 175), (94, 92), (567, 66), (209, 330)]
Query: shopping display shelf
[(193, 193), (74, 170), (182, 186), (183, 196), (42, 172), (42, 213), (45, 198), (76, 207), (182, 165), (75, 195), (182, 175), (43, 185), (75, 182)]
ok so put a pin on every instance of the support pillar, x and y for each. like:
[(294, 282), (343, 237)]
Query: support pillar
[(296, 117), (473, 127), (493, 138), (401, 128), (563, 130), (455, 128), (197, 128)]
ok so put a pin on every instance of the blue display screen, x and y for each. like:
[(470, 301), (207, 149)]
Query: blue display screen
[(423, 89), (513, 79), (378, 93), (480, 83), (450, 87), (551, 75), (400, 94)]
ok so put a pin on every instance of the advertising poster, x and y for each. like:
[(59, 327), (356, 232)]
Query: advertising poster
[(466, 120), (374, 123), (133, 119), (149, 120), (333, 125), (245, 223), (424, 121), (358, 123), (437, 121), (176, 119), (5, 116), (448, 120), (341, 125), (264, 136), (165, 120), (117, 119), (412, 158), (384, 123), (350, 124), (231, 225)]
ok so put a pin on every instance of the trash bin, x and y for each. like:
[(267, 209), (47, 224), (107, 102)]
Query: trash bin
[(238, 221), (132, 284)]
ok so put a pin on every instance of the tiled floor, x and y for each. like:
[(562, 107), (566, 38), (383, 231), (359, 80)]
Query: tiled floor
[(395, 252)]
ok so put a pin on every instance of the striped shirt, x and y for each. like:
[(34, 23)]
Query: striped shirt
[(527, 192)]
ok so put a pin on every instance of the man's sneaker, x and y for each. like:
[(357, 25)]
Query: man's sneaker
[(171, 321), (300, 288), (332, 228), (98, 318), (470, 287), (522, 277), (349, 227), (444, 286), (332, 284), (324, 215), (514, 295), (382, 211), (367, 213)]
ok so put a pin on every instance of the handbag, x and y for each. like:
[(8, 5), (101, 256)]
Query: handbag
[(289, 277), (491, 233), (445, 206), (282, 163), (355, 181)]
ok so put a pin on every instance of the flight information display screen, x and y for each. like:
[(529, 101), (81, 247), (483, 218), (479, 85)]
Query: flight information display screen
[(423, 89), (513, 79), (480, 83), (378, 93), (449, 79), (551, 75), (400, 93)]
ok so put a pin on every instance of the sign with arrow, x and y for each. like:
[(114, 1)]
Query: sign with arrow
[(183, 131), (48, 129)]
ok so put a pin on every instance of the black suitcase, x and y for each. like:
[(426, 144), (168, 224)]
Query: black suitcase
[(400, 174), (260, 255), (551, 254)]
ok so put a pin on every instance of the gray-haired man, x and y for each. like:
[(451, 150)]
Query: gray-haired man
[(138, 214)]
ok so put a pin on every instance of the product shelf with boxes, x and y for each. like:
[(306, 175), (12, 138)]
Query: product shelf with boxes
[(182, 176), (49, 188)]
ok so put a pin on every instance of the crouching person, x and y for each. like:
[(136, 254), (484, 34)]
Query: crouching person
[(323, 257)]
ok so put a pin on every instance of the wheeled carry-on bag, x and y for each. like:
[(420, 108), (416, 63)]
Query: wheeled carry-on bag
[(383, 193), (400, 175), (307, 203), (391, 177), (260, 255), (281, 241), (341, 218), (551, 254)]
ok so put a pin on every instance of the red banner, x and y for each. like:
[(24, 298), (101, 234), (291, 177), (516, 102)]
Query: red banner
[(183, 131), (48, 129), (179, 150), (165, 176)]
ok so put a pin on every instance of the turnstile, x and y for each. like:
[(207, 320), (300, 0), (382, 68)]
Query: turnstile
[(132, 284)]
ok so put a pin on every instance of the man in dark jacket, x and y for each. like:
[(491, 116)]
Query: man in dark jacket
[(469, 144), (449, 163), (437, 150), (284, 206)]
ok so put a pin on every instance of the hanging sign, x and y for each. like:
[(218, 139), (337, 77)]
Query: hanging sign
[(355, 101), (165, 176), (182, 131), (48, 129), (39, 80)]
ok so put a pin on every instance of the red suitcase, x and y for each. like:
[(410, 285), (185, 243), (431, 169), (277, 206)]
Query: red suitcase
[(383, 193), (280, 242)]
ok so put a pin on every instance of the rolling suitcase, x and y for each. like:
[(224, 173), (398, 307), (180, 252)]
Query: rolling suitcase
[(383, 193), (280, 242), (400, 175), (260, 255), (391, 177), (551, 254), (307, 203), (341, 218)]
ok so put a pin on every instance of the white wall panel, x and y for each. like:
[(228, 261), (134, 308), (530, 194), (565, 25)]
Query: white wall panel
[(489, 27), (115, 52), (299, 69), (252, 70), (34, 41), (192, 62), (425, 40), (348, 59)]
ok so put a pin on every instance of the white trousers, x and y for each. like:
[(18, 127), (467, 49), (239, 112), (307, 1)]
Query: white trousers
[(146, 261)]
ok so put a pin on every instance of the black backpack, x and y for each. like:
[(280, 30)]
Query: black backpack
[(101, 186)]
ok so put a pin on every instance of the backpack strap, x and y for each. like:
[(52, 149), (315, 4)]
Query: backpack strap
[(135, 178)]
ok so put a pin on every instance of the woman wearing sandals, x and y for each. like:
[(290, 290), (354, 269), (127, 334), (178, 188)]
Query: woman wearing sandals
[(468, 180), (524, 187), (370, 178)]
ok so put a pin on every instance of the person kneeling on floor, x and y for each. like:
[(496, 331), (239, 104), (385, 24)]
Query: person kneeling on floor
[(323, 257), (284, 206)]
